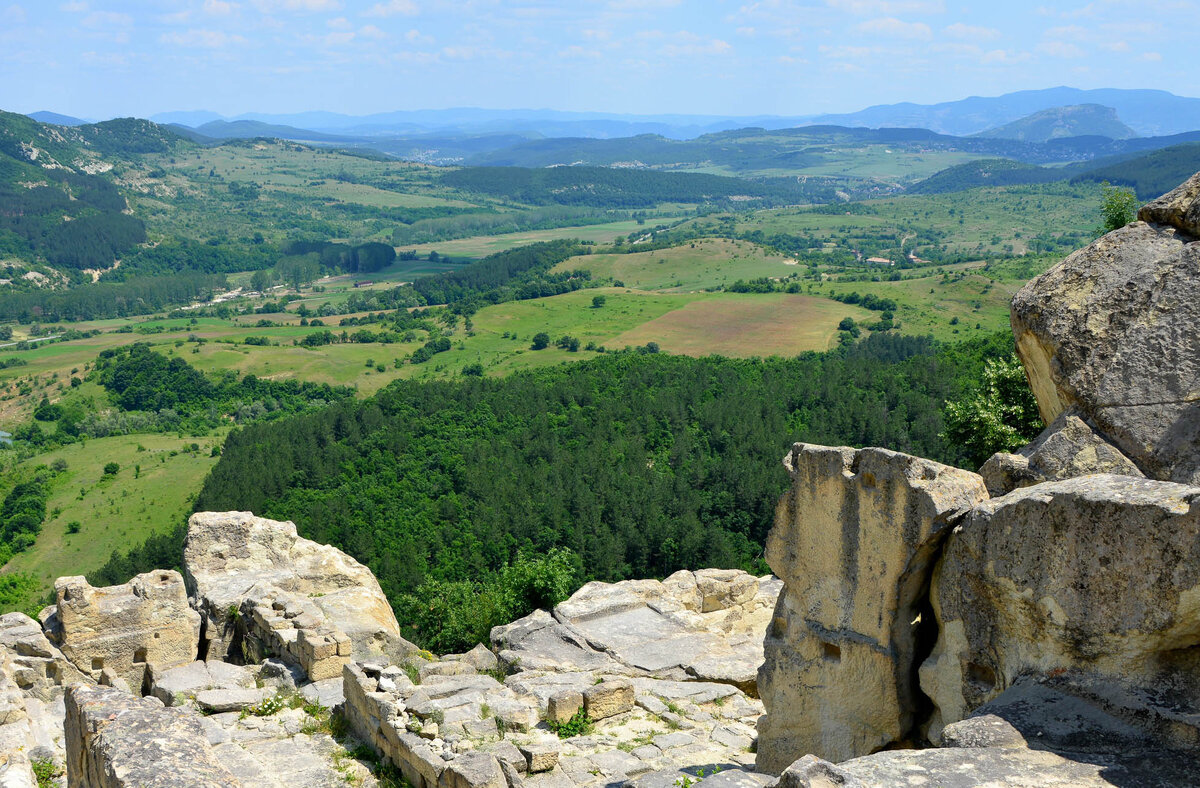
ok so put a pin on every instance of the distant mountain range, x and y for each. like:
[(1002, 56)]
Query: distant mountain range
[(1147, 112), (1140, 112)]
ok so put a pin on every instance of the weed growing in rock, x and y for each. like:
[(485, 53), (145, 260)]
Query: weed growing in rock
[(45, 770), (576, 726)]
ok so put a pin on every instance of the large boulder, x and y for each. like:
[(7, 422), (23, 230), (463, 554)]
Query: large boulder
[(1097, 575), (123, 629), (1111, 333), (239, 566), (853, 542), (706, 625), (1065, 449)]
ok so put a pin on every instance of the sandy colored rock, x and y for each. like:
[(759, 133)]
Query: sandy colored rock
[(706, 625), (972, 768), (987, 730), (1066, 449), (853, 541), (564, 705), (118, 741), (1180, 207), (1111, 333), (607, 699), (127, 627), (235, 558), (1098, 575)]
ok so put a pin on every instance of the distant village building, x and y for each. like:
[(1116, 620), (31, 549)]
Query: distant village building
[(879, 261)]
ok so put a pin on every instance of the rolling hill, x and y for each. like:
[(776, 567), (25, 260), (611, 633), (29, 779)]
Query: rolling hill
[(1080, 120)]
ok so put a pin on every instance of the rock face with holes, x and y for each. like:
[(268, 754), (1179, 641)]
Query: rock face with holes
[(854, 541), (122, 629), (1098, 575), (259, 585), (1111, 333), (705, 625)]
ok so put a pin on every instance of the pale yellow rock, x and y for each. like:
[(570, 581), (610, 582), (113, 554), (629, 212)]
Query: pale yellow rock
[(853, 541), (127, 627)]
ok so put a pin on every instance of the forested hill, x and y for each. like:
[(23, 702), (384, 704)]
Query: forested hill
[(640, 464)]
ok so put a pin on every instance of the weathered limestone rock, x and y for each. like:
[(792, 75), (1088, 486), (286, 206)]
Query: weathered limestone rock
[(986, 730), (972, 768), (706, 625), (1180, 207), (1098, 575), (473, 770), (296, 599), (607, 699), (117, 741), (812, 772), (174, 686), (1111, 332), (539, 756), (564, 705), (853, 540), (1066, 449), (39, 668), (127, 627)]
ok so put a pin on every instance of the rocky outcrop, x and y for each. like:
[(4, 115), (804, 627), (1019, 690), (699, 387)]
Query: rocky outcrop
[(706, 625), (853, 541), (39, 668), (261, 587), (1179, 208), (1110, 333), (1099, 574), (123, 629), (117, 741), (1066, 449)]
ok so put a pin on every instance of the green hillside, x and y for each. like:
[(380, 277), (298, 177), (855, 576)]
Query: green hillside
[(1079, 120)]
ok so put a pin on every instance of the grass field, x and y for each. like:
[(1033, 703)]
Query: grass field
[(742, 324), (481, 246), (114, 512), (700, 265)]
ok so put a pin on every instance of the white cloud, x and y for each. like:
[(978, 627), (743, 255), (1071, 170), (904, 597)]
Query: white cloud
[(270, 6), (971, 32), (1061, 49), (13, 15), (1153, 57), (875, 7), (107, 19), (893, 27), (200, 38), (393, 8), (372, 32), (219, 7), (75, 7), (641, 5), (338, 23), (576, 51), (415, 36), (1003, 57), (1117, 46), (746, 31)]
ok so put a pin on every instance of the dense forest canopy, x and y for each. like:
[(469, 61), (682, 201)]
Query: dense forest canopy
[(639, 464)]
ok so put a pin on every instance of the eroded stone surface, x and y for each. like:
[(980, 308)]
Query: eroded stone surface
[(125, 628), (297, 599), (1110, 332), (853, 541), (1099, 574), (706, 625), (1066, 449)]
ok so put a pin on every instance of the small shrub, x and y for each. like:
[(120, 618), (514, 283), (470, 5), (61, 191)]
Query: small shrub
[(74, 527), (112, 469), (578, 725)]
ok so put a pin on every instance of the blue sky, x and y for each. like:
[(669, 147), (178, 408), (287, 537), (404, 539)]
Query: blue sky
[(100, 59)]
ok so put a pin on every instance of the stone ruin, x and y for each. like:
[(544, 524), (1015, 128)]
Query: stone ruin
[(225, 676), (1038, 624)]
